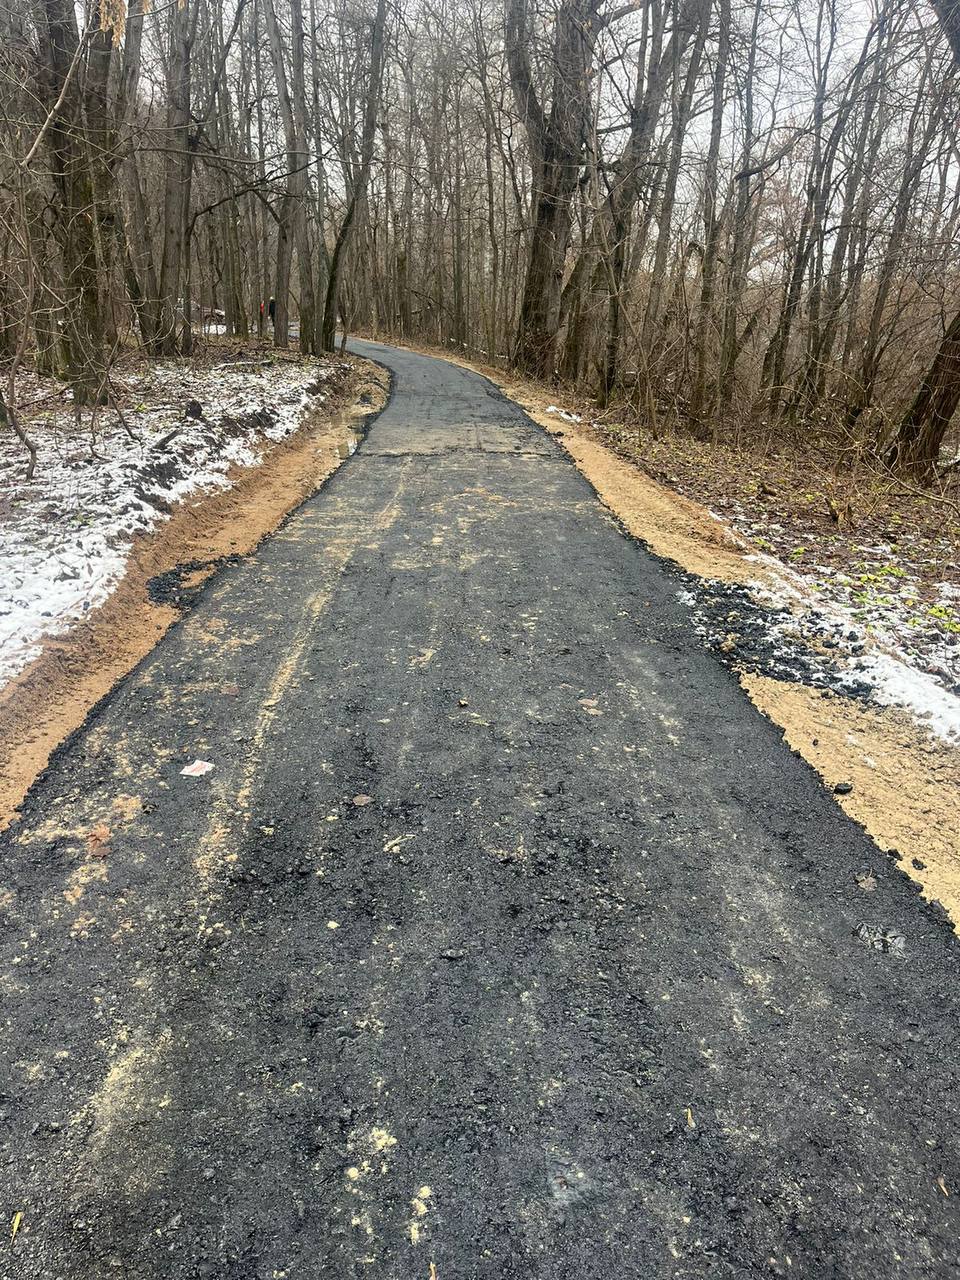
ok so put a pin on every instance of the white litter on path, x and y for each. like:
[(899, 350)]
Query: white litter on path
[(198, 769), (562, 413), (65, 535)]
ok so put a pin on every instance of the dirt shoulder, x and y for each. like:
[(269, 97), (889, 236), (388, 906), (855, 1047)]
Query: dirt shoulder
[(904, 782), (48, 700)]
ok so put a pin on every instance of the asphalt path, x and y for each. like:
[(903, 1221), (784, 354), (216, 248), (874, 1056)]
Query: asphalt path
[(504, 939)]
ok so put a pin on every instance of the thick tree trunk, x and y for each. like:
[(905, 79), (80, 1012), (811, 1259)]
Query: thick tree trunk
[(948, 11), (81, 329), (557, 143), (540, 308), (916, 447)]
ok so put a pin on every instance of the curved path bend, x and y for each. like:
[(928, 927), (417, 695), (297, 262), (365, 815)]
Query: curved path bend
[(579, 993)]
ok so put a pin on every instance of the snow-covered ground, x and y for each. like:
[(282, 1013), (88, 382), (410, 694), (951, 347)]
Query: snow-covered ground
[(885, 628), (873, 617), (66, 534), (869, 646), (824, 628), (890, 591)]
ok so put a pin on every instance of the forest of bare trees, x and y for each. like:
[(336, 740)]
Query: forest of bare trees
[(721, 213)]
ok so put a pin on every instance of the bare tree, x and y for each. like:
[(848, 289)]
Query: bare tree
[(360, 177), (723, 211)]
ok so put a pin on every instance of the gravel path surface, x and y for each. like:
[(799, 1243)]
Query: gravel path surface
[(504, 939)]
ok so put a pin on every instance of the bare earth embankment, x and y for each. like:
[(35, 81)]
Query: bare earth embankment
[(127, 516)]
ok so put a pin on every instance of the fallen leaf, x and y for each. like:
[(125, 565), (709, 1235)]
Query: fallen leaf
[(360, 801), (15, 1225), (433, 1271), (332, 924), (461, 702), (691, 1123), (97, 839), (197, 769), (866, 881), (940, 1183)]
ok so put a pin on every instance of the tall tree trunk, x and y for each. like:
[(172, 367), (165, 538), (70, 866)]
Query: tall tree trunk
[(293, 230), (705, 326), (902, 205), (664, 215), (605, 253), (917, 444), (836, 285), (557, 143), (82, 329), (331, 301), (743, 223), (178, 173)]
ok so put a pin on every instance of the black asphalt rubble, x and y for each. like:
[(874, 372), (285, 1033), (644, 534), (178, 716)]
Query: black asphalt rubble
[(590, 988)]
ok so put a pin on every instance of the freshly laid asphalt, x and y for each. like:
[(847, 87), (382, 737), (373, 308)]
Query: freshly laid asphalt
[(504, 939)]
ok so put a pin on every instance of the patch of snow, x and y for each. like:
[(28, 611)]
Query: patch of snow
[(882, 623), (820, 622), (65, 536), (871, 648), (897, 684)]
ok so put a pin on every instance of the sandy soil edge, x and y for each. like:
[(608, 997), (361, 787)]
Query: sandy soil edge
[(906, 782), (52, 697)]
